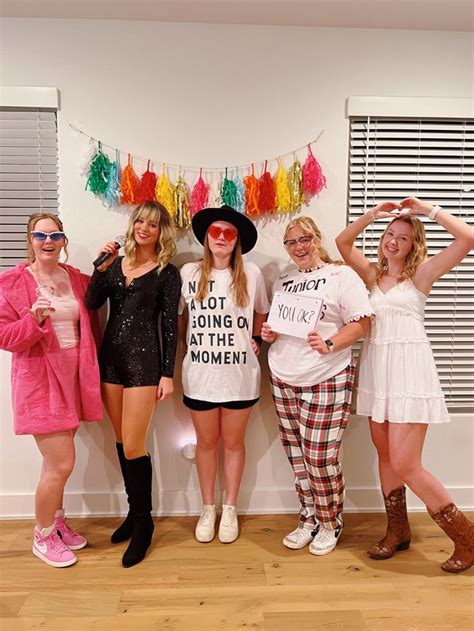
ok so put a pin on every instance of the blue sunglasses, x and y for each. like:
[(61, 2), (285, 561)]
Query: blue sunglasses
[(39, 235)]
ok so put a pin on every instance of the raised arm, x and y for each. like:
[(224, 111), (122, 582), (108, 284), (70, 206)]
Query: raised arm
[(346, 239), (434, 267), (98, 291)]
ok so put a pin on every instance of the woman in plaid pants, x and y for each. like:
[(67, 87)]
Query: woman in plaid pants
[(312, 381)]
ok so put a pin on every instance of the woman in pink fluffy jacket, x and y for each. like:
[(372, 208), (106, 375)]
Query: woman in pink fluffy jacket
[(55, 377)]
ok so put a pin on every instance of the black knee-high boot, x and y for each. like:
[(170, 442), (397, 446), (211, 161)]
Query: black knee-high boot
[(139, 480), (124, 531)]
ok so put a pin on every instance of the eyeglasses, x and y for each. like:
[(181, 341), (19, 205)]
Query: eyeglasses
[(229, 233), (292, 243), (39, 235)]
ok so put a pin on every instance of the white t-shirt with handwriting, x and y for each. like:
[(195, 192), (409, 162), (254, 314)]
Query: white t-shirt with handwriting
[(291, 359), (220, 364)]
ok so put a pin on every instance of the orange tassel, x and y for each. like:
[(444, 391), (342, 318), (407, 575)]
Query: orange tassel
[(129, 184), (251, 194)]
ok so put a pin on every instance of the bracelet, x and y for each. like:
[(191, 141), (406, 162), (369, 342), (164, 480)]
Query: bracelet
[(434, 212), (374, 218), (258, 339)]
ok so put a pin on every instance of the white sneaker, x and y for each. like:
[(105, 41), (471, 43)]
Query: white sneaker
[(205, 527), (298, 538), (229, 526), (325, 540)]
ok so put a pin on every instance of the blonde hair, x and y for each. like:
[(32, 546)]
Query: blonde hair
[(166, 245), (308, 225), (32, 221), (416, 255), (238, 286)]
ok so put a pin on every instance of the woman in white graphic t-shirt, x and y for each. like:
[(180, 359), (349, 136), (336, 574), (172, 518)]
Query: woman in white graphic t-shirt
[(223, 307), (312, 381)]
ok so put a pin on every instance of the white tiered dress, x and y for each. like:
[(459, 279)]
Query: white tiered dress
[(398, 381)]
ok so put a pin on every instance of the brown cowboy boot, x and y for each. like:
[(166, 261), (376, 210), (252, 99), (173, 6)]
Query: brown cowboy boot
[(461, 531), (398, 533)]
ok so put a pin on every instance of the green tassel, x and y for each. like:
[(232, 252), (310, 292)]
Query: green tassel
[(229, 194), (98, 175)]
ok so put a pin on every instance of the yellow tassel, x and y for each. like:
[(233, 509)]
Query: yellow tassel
[(181, 202), (295, 184), (165, 193), (282, 192)]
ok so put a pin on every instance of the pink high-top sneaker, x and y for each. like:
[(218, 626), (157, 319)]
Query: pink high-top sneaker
[(48, 546), (70, 537)]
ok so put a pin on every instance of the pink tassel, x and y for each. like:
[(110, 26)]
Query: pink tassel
[(313, 178), (199, 196)]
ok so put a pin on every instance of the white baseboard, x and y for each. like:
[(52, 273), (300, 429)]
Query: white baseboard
[(251, 502)]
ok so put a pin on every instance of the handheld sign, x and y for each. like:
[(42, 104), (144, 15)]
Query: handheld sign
[(293, 314)]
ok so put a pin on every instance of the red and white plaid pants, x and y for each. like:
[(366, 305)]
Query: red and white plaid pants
[(312, 422)]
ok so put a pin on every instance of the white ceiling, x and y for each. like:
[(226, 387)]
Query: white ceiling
[(442, 15)]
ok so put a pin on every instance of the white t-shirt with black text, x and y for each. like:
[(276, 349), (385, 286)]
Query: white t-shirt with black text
[(220, 364), (291, 359)]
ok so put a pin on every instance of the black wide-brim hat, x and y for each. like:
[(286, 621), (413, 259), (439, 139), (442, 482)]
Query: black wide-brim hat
[(207, 216)]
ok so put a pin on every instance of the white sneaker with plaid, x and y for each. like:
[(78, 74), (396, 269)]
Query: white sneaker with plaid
[(298, 538), (325, 540)]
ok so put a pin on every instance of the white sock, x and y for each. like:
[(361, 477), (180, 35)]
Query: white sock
[(45, 532)]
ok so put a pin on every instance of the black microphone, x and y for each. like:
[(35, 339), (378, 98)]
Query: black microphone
[(103, 256)]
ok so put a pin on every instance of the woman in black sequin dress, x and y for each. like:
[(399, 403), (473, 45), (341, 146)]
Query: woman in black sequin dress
[(136, 368)]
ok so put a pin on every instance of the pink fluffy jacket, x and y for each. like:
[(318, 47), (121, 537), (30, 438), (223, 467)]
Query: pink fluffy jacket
[(42, 396)]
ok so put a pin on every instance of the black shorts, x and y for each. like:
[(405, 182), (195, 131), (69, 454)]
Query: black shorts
[(204, 406)]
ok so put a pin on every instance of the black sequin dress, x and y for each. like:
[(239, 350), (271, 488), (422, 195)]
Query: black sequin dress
[(131, 354)]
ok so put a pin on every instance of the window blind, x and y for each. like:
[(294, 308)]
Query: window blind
[(433, 159), (28, 175)]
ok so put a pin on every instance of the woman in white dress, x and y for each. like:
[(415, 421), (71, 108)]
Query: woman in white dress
[(399, 388)]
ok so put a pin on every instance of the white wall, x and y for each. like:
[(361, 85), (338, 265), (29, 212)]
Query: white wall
[(216, 95)]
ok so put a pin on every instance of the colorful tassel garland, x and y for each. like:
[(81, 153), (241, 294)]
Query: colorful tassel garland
[(229, 192), (251, 194), (164, 193), (240, 194), (146, 189), (112, 191), (286, 191), (129, 184), (199, 196), (282, 192), (98, 173), (182, 219), (313, 178), (295, 184), (266, 192)]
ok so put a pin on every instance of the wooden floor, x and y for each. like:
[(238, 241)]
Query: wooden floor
[(254, 583)]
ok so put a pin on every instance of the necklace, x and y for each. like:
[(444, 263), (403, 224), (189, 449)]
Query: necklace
[(393, 275), (312, 269)]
